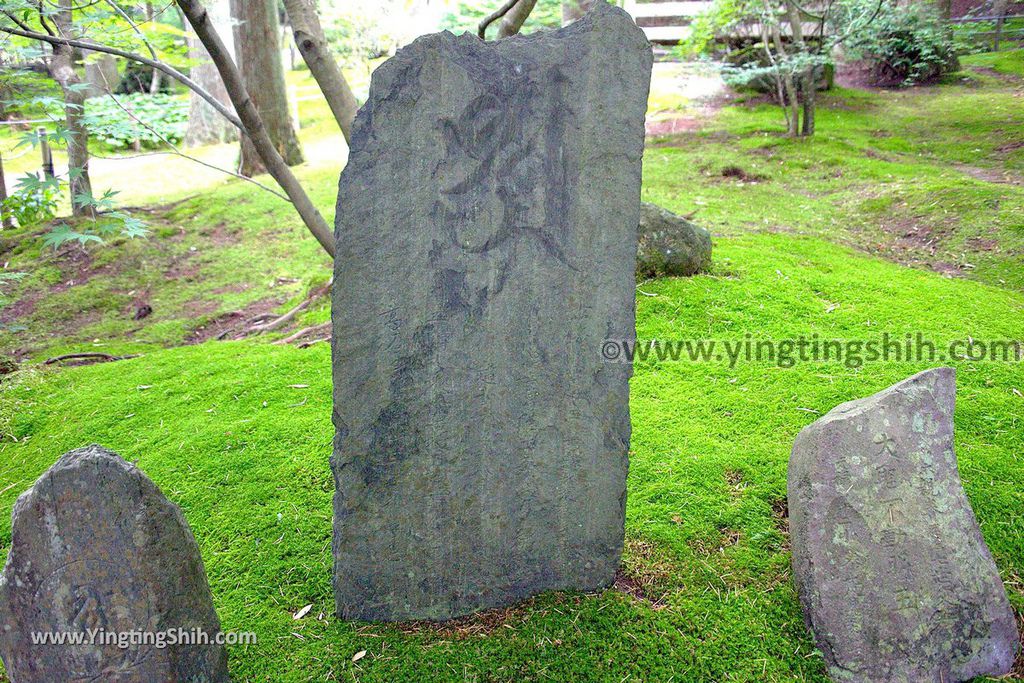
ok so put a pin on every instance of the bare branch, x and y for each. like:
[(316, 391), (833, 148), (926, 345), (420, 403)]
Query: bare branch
[(156, 64), (515, 18), (178, 152), (257, 132), (124, 15), (309, 37), (481, 29)]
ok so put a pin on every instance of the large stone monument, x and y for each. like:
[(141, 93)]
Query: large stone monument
[(98, 554), (486, 232), (894, 576)]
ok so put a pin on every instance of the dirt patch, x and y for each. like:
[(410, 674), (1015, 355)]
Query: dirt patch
[(989, 71), (736, 481), (643, 574), (76, 267), (1010, 147), (990, 175), (741, 175), (22, 308), (872, 154), (946, 269), (1017, 671), (780, 519), (982, 244), (220, 236), (914, 244), (181, 269), (482, 623), (682, 124), (236, 288), (231, 325)]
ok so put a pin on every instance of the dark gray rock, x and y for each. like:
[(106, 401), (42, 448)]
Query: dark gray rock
[(894, 576), (668, 244), (97, 546), (486, 232)]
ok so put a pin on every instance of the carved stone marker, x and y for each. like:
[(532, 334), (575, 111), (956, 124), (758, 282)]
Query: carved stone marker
[(97, 553), (486, 232), (894, 576)]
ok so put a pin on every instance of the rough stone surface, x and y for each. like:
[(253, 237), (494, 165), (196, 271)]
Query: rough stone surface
[(97, 546), (669, 245), (894, 576), (486, 233)]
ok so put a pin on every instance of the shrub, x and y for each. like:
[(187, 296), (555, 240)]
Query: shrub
[(32, 203), (902, 45), (151, 117)]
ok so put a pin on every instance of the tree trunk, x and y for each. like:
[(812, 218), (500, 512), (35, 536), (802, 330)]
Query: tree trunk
[(258, 55), (101, 74), (205, 124), (154, 83), (808, 84), (62, 70), (515, 17), (789, 87), (309, 37), (253, 124), (574, 9), (810, 97), (5, 221)]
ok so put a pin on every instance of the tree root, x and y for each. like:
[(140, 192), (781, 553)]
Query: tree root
[(322, 327), (283, 320), (307, 344), (97, 357)]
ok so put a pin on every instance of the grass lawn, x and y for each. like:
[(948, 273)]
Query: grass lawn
[(812, 238)]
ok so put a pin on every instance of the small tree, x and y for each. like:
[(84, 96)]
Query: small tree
[(775, 43)]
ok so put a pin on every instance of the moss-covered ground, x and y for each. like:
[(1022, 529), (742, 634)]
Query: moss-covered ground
[(238, 432)]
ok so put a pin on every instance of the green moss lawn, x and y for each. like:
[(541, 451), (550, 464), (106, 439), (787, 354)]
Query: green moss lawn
[(812, 238)]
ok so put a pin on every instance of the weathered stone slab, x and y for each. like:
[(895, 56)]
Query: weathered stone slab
[(894, 576), (486, 230), (97, 549)]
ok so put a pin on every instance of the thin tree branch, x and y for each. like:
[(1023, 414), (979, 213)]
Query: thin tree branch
[(175, 150), (254, 126), (156, 64), (481, 29), (101, 357), (124, 15)]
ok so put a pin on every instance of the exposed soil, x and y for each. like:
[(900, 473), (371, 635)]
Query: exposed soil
[(743, 176), (682, 124), (634, 587), (991, 175), (231, 325), (989, 71)]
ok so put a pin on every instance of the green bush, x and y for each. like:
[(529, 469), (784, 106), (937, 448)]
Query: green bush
[(903, 45), (34, 202), (148, 119)]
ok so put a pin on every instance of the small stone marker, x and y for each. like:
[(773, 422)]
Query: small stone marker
[(486, 227), (99, 552), (895, 579)]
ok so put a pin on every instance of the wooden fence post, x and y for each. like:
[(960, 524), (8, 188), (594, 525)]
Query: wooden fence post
[(44, 145), (6, 223)]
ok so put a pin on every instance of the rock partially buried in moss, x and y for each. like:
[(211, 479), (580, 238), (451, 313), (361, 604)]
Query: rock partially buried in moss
[(894, 577), (670, 245), (99, 553)]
